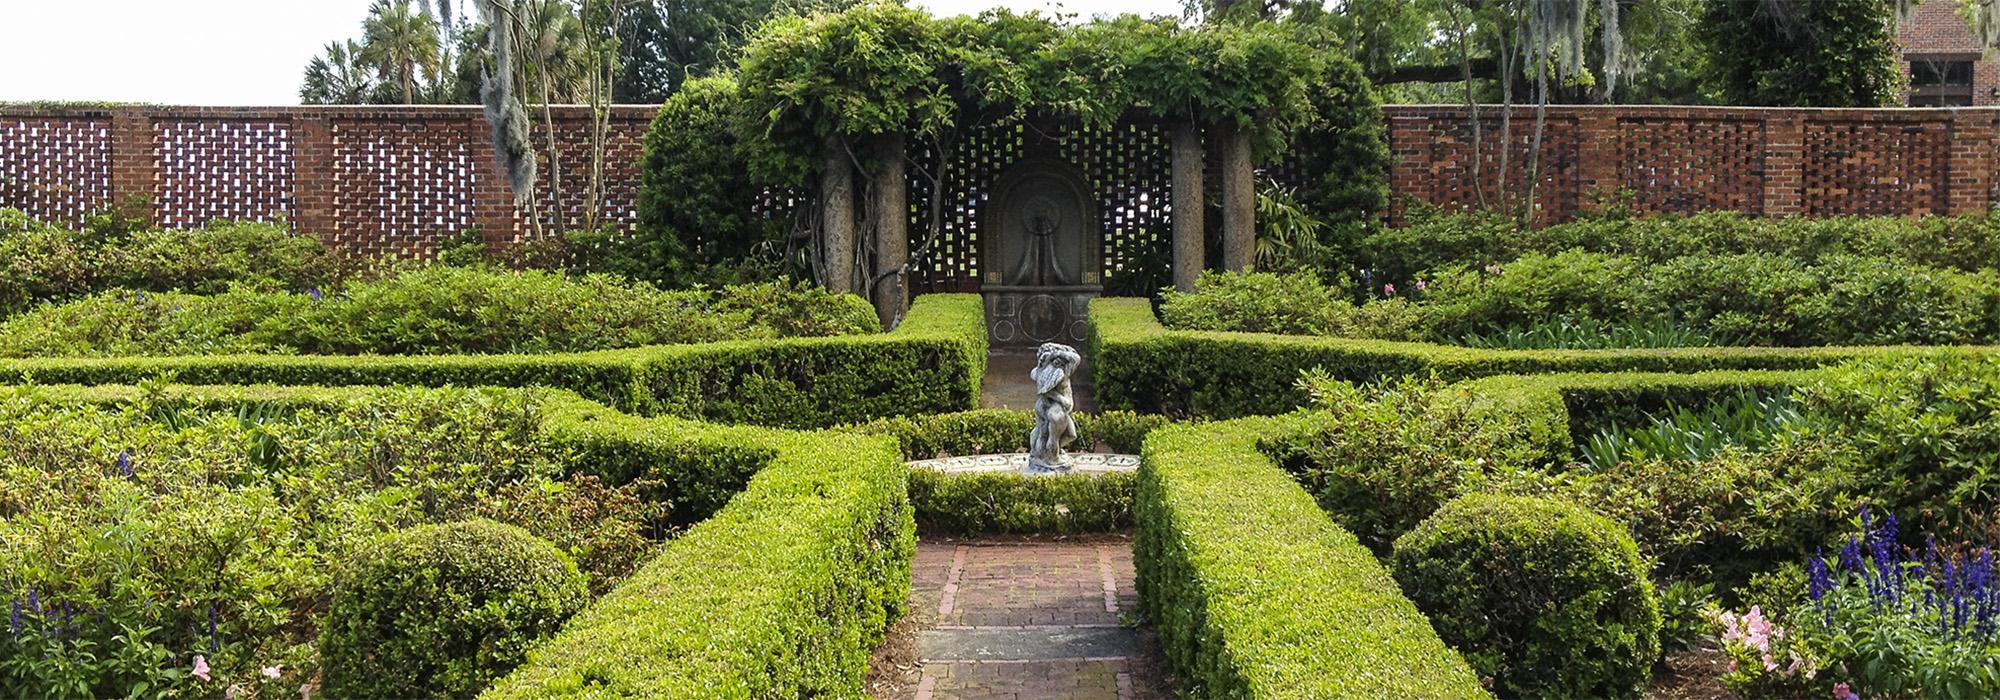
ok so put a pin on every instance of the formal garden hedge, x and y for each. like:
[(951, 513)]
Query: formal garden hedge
[(1140, 365), (931, 363), (800, 569), (1255, 593), (1727, 481)]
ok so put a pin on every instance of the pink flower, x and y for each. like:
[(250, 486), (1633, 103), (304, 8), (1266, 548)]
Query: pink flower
[(1770, 664), (201, 667), (1388, 290), (1842, 692), (273, 672), (1421, 285)]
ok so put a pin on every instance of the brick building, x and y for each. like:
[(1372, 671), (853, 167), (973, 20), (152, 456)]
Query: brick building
[(1944, 59)]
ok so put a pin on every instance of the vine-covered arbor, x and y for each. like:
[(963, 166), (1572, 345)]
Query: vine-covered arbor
[(894, 136)]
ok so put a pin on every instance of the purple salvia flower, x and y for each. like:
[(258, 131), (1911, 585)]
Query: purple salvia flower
[(316, 294), (125, 462), (15, 620)]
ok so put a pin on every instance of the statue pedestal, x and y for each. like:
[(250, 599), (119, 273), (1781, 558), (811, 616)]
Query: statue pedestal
[(1088, 463), (1028, 316)]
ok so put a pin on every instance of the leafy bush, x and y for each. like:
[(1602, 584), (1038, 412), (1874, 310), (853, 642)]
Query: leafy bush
[(1532, 289), (1545, 597), (1388, 457), (1565, 332), (1259, 302), (984, 503), (1748, 419), (430, 310), (46, 263), (1223, 534), (442, 610), (207, 524)]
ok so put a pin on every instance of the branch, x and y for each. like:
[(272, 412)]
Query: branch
[(1443, 73)]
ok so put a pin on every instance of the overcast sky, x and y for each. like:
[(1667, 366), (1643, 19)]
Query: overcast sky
[(241, 52)]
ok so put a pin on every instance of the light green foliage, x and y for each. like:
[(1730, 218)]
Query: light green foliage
[(932, 362), (1255, 593), (1544, 597), (432, 310), (442, 610), (1259, 302)]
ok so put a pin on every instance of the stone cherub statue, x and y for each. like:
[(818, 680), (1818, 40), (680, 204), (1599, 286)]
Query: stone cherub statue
[(1054, 428)]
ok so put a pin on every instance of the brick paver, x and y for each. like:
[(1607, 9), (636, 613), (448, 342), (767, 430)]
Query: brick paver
[(991, 615)]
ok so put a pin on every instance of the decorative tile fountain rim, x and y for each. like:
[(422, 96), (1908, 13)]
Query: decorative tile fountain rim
[(1080, 463)]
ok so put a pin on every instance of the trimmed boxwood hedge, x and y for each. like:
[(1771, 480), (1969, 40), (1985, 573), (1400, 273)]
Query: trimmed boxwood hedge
[(1139, 365), (1006, 502), (1257, 594), (930, 364), (783, 592)]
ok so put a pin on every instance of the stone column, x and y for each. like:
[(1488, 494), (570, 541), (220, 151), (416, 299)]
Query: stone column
[(836, 209), (892, 235), (1190, 212), (1239, 200)]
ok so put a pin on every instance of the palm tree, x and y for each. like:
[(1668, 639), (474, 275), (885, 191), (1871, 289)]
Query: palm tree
[(400, 42), (338, 78)]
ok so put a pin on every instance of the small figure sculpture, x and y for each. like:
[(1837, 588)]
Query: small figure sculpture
[(1054, 428)]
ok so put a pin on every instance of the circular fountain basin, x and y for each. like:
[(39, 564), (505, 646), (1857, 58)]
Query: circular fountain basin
[(1079, 463)]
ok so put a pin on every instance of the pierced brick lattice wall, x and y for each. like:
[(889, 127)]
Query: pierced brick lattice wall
[(402, 180)]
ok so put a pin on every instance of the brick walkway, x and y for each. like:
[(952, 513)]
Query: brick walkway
[(994, 620)]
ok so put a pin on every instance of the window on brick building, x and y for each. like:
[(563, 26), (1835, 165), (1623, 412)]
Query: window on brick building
[(1940, 82)]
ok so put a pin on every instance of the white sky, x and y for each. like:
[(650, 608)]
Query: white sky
[(242, 52)]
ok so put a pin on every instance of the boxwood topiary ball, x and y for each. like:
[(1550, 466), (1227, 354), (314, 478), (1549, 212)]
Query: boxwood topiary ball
[(439, 611), (1545, 597)]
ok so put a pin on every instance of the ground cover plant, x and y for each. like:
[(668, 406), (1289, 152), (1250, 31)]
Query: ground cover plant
[(163, 548), (431, 310)]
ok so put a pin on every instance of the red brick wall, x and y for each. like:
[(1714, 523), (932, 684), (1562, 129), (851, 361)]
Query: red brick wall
[(1767, 161), (379, 180), (402, 179), (1936, 31)]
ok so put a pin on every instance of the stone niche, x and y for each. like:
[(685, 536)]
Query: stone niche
[(1041, 254)]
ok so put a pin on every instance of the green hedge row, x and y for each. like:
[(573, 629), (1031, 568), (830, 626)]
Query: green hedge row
[(1139, 365), (1005, 502), (930, 364), (1551, 410), (784, 591), (1257, 594)]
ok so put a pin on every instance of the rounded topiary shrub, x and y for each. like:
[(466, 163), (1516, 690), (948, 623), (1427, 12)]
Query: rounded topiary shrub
[(439, 611), (1545, 597)]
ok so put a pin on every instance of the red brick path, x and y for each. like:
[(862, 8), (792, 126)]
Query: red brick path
[(1052, 593)]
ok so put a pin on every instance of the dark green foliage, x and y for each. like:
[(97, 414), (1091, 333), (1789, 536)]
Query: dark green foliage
[(1342, 154), (1531, 289), (1683, 605), (1803, 53), (931, 363), (1694, 433), (1256, 594), (697, 219), (989, 503), (442, 610), (432, 310), (40, 263), (1544, 597), (1259, 302), (1564, 332)]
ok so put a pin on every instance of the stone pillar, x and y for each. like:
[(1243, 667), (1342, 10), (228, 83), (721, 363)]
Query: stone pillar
[(1239, 200), (1784, 163), (836, 214), (1190, 212), (892, 234)]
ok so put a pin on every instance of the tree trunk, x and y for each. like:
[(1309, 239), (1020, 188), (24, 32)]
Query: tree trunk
[(892, 232), (1239, 200), (836, 200), (1190, 212)]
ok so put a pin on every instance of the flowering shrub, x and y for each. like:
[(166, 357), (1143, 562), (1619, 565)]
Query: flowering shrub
[(1879, 623)]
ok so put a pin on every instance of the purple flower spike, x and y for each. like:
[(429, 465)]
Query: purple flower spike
[(15, 620), (125, 462), (316, 294)]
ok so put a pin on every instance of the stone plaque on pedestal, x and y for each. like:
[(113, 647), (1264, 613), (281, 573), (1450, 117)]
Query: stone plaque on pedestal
[(1042, 254)]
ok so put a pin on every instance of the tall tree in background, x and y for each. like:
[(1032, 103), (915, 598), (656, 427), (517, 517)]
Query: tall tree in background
[(1804, 53), (338, 78), (403, 45), (667, 42)]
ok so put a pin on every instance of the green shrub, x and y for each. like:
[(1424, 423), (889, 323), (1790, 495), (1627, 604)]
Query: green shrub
[(431, 310), (1384, 459), (985, 503), (46, 263), (1530, 289), (1259, 302), (442, 610), (1544, 597), (1256, 594)]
